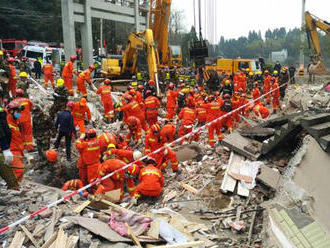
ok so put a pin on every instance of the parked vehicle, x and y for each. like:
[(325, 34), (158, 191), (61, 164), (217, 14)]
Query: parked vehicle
[(13, 47)]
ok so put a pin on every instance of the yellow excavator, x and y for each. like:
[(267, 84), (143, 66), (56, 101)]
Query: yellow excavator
[(167, 56), (312, 23)]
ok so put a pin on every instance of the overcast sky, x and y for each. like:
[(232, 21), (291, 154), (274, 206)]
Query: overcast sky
[(236, 17)]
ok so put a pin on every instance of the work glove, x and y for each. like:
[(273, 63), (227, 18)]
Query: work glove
[(8, 156)]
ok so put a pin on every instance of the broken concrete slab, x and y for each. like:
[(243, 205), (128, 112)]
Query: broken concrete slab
[(242, 145), (257, 132), (269, 177), (188, 152)]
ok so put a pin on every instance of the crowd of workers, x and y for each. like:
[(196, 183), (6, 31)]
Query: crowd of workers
[(189, 105)]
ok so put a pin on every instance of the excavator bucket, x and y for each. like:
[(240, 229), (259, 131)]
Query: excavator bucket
[(319, 68)]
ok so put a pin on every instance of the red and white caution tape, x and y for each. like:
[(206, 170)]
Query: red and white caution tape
[(177, 141)]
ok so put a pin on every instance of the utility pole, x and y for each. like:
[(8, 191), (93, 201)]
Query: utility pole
[(302, 37), (101, 37)]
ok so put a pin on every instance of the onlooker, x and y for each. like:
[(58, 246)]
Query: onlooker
[(37, 68), (292, 71)]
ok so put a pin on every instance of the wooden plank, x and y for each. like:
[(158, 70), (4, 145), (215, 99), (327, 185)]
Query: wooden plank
[(81, 207), (185, 245), (240, 177), (133, 237), (154, 229), (189, 188), (61, 239), (72, 241), (50, 228), (30, 236), (229, 183), (18, 240), (170, 196), (50, 241)]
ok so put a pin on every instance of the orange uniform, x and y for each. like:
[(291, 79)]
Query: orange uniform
[(135, 129), (82, 77), (152, 142), (169, 156), (256, 95), (90, 153), (235, 105), (12, 79), (266, 88), (48, 70), (16, 147), (116, 181), (188, 117), (25, 122), (67, 76), (260, 110), (133, 109), (151, 104), (151, 182), (242, 83), (167, 133), (213, 110), (79, 112), (171, 103), (276, 96), (105, 139), (106, 99), (139, 99), (73, 184), (132, 172)]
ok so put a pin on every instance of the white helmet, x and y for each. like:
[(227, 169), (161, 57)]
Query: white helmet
[(137, 155)]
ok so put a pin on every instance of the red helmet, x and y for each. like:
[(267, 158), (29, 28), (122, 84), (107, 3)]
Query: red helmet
[(226, 96), (73, 57), (107, 81), (91, 67), (91, 133), (70, 104), (171, 86), (14, 106), (140, 87), (266, 71), (51, 155), (155, 128), (132, 92), (217, 93), (128, 97), (19, 92), (191, 91), (151, 82), (134, 169), (182, 85), (11, 60), (148, 92), (255, 84)]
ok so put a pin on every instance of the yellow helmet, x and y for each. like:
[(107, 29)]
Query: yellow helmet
[(247, 69), (1, 53), (111, 146), (275, 72), (60, 82), (259, 72), (251, 73), (227, 82), (23, 74)]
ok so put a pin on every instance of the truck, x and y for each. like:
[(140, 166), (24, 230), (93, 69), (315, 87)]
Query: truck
[(13, 47), (231, 66)]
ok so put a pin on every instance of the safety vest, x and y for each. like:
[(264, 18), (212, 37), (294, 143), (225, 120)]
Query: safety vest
[(167, 76), (139, 76)]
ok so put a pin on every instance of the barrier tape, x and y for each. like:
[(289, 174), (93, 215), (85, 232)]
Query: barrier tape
[(177, 141)]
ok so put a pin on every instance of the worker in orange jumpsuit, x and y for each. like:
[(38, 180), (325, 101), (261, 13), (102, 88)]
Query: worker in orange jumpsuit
[(139, 96), (246, 109), (171, 101), (121, 142), (25, 120), (190, 98), (135, 130), (116, 181), (242, 83), (132, 108), (67, 74), (226, 108), (151, 181), (167, 133), (276, 96), (106, 99), (127, 156), (261, 110), (48, 71), (74, 185), (188, 116), (236, 103), (256, 93), (82, 77), (153, 142), (105, 139), (169, 156), (90, 153), (131, 175), (152, 104), (213, 110), (80, 109), (12, 76), (266, 87), (17, 141)]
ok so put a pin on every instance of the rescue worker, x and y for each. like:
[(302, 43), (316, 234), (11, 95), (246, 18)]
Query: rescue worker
[(226, 108), (151, 104), (90, 153), (67, 74), (73, 185), (12, 76), (167, 133), (236, 101), (139, 96), (4, 65), (131, 174), (121, 142), (60, 95), (153, 142), (169, 156), (6, 156), (17, 139), (80, 109), (116, 181), (213, 110), (266, 87), (37, 67), (132, 108), (227, 88), (171, 101), (276, 96), (48, 71), (126, 155), (245, 111), (150, 85), (261, 111), (187, 116), (135, 130), (24, 66), (106, 99), (25, 120), (256, 94), (64, 125), (151, 181), (106, 139), (283, 81), (139, 76), (42, 126), (82, 77), (23, 83)]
